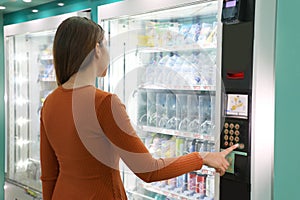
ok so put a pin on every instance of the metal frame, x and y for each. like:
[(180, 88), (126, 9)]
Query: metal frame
[(263, 101)]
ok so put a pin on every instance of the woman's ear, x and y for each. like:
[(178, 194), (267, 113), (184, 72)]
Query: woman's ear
[(98, 50)]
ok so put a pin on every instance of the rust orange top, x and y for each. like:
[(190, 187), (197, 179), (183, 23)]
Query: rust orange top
[(84, 134)]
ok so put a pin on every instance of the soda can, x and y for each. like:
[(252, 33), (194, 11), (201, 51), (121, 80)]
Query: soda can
[(201, 184), (192, 181)]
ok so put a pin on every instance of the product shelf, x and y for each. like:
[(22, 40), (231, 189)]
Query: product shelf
[(177, 133)]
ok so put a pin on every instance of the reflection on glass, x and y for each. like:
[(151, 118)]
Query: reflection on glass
[(29, 79), (175, 50)]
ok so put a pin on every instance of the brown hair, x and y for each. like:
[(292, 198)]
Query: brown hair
[(75, 38)]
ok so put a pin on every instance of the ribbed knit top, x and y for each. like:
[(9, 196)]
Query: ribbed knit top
[(84, 134)]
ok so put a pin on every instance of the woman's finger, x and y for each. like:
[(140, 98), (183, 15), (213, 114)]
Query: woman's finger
[(230, 149)]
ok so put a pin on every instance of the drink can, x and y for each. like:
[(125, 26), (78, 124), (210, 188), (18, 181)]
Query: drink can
[(201, 184), (192, 181)]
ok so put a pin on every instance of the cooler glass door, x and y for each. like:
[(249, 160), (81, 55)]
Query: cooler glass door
[(30, 77), (164, 67)]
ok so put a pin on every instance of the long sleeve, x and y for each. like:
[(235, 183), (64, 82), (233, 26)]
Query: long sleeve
[(117, 127), (49, 164)]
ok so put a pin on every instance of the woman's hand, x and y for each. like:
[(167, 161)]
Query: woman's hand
[(217, 160)]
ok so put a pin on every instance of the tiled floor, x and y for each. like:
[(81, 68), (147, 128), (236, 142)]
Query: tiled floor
[(13, 192)]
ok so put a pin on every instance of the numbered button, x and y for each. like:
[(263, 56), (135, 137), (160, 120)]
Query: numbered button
[(226, 125), (231, 132), (237, 126), (231, 138), (231, 126), (241, 146), (226, 137), (236, 139), (237, 133), (225, 143), (230, 144), (226, 131)]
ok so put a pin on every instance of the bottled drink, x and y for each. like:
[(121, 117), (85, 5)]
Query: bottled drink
[(210, 186)]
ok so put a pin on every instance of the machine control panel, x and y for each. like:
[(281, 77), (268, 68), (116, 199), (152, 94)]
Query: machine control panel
[(235, 131)]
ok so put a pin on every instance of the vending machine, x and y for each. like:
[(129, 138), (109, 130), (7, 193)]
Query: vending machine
[(165, 58), (29, 78), (237, 72), (193, 76)]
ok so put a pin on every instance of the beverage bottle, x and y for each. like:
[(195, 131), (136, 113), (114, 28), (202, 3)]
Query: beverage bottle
[(210, 186)]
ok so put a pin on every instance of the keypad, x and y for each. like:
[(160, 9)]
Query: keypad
[(231, 132)]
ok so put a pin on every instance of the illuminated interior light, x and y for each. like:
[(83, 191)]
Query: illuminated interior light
[(21, 57), (27, 1), (22, 164), (60, 4), (35, 10), (21, 80), (22, 121), (2, 7), (20, 101), (21, 142)]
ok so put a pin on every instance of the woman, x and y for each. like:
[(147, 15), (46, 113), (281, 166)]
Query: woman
[(85, 131)]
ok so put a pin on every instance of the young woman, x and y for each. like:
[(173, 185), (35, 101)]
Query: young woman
[(86, 131)]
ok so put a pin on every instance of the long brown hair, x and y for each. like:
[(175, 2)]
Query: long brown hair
[(75, 38)]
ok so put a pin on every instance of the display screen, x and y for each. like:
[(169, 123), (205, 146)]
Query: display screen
[(237, 105), (230, 11), (230, 4)]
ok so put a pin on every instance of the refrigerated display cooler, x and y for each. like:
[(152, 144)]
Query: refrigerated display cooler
[(193, 75), (164, 68), (29, 78)]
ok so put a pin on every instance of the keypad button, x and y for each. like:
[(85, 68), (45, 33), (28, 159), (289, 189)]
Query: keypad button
[(237, 133), (225, 143), (237, 126), (226, 125), (231, 126), (231, 138), (230, 144), (241, 146), (231, 132), (236, 139), (226, 137), (226, 131)]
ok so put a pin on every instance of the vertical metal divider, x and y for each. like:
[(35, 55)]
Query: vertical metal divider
[(219, 92)]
